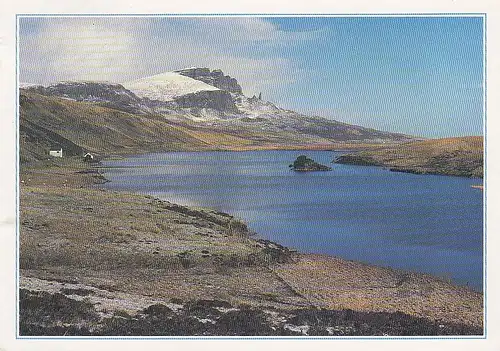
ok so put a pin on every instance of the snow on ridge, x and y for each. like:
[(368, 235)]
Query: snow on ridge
[(257, 108), (84, 81), (186, 68), (67, 82), (28, 85), (166, 86)]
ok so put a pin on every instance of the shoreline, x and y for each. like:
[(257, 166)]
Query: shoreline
[(296, 279), (458, 156), (333, 147), (257, 236), (410, 271)]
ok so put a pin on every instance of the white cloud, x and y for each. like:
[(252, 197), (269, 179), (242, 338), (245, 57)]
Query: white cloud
[(76, 48), (124, 48)]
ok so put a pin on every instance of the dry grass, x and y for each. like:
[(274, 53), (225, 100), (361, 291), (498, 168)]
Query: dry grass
[(136, 245), (461, 156), (141, 244), (336, 283)]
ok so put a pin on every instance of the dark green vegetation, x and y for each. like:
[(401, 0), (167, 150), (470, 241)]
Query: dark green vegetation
[(450, 156), (42, 313), (305, 164)]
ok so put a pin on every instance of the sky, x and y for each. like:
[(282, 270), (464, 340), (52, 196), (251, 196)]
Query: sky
[(416, 75)]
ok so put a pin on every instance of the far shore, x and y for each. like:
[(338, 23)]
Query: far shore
[(458, 156), (337, 147)]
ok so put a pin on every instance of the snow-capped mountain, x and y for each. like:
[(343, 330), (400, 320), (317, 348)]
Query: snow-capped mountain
[(211, 100)]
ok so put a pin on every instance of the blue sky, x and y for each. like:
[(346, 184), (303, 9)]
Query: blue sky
[(415, 75)]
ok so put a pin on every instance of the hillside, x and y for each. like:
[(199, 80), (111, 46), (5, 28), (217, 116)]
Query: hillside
[(48, 122), (171, 111), (461, 156), (51, 122)]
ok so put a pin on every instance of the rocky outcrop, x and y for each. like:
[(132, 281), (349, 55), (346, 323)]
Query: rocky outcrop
[(219, 100), (215, 78), (305, 164), (109, 94)]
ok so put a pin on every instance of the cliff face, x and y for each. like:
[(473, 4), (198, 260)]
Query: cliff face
[(215, 78), (216, 99), (108, 94)]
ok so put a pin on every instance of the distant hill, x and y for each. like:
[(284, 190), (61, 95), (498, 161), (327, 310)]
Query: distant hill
[(306, 164), (461, 156), (190, 109)]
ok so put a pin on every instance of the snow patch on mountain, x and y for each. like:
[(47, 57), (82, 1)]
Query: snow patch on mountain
[(254, 107), (28, 85), (166, 86), (182, 98)]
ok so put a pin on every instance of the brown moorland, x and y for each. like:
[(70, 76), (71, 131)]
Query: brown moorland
[(460, 156), (120, 253)]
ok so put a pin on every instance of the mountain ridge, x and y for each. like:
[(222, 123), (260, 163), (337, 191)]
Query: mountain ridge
[(215, 78), (204, 116)]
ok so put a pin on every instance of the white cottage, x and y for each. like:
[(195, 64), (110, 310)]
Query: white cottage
[(56, 153)]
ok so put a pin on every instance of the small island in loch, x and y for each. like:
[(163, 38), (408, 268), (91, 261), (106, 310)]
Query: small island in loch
[(306, 164)]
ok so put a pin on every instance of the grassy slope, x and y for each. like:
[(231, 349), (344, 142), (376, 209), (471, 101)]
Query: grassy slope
[(46, 122), (134, 243), (94, 128), (141, 251), (461, 156)]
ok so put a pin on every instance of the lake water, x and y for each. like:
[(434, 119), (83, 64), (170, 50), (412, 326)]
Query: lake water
[(423, 223)]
